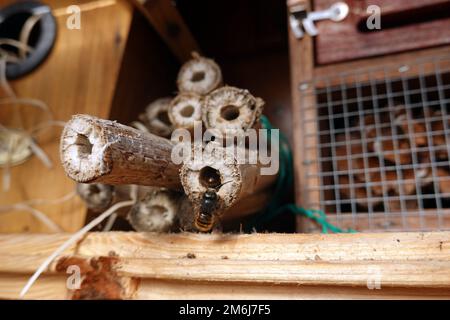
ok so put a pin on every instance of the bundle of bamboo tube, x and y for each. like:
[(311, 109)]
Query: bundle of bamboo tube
[(390, 156), (113, 162)]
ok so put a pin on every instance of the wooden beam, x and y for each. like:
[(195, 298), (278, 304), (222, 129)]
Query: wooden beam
[(148, 265), (301, 53), (167, 21)]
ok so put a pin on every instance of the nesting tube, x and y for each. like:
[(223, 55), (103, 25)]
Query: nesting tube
[(185, 109), (156, 117), (94, 150), (156, 212), (199, 75), (231, 110), (219, 169)]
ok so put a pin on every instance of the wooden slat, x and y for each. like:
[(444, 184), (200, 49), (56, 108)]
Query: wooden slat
[(302, 72), (167, 21), (289, 247), (48, 287), (433, 274), (402, 260), (53, 287), (164, 289)]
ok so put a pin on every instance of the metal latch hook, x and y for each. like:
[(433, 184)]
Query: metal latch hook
[(300, 20)]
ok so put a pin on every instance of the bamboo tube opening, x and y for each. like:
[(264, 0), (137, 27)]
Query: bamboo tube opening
[(232, 182), (156, 117), (83, 149), (84, 145), (229, 112), (210, 177), (187, 111), (217, 165), (198, 76)]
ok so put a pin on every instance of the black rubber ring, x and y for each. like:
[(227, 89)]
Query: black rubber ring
[(44, 43)]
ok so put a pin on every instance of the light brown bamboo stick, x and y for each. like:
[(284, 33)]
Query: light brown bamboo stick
[(104, 151)]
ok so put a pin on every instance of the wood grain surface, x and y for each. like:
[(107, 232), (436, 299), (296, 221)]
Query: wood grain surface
[(79, 76), (262, 265)]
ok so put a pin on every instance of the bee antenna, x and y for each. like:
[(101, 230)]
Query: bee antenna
[(224, 183)]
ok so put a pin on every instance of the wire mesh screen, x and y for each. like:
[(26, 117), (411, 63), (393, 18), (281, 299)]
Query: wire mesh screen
[(376, 147)]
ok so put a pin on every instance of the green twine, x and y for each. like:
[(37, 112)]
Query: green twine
[(284, 181), (318, 216)]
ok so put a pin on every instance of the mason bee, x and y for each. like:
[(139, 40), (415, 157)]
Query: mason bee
[(205, 217)]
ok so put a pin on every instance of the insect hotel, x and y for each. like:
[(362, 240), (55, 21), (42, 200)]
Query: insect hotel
[(201, 150)]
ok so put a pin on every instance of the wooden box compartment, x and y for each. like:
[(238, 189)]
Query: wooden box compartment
[(342, 110), (381, 147)]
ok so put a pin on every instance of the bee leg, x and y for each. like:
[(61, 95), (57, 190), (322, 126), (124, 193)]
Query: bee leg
[(218, 228)]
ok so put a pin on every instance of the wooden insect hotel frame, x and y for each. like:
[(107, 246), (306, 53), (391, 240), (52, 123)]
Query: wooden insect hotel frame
[(369, 130), (398, 251)]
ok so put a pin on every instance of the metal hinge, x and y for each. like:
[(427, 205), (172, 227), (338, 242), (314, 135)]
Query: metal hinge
[(302, 21)]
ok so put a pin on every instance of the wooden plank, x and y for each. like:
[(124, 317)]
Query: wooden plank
[(54, 287), (302, 72), (49, 287), (434, 274), (405, 26), (167, 21), (165, 289), (380, 68), (79, 76), (419, 261), (290, 247)]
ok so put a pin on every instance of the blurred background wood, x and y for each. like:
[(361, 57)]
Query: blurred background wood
[(405, 25), (167, 21), (79, 76)]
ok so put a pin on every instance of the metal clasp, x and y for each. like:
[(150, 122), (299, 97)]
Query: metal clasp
[(302, 21)]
